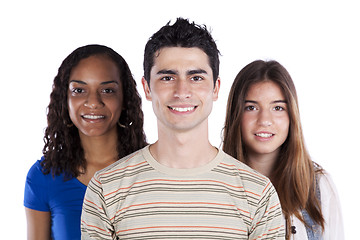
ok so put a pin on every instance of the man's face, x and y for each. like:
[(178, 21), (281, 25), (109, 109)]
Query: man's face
[(181, 88)]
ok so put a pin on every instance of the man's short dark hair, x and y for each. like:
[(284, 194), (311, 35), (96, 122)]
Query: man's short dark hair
[(181, 34)]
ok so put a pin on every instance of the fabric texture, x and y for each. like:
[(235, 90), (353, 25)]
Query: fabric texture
[(313, 229), (331, 210), (63, 199), (138, 198)]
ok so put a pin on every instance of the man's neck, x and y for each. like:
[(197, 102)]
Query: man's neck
[(188, 149)]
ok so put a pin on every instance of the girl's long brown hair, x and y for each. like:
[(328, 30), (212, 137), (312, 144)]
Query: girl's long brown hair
[(62, 151), (294, 175)]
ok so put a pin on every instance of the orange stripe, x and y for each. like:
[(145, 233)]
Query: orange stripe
[(272, 207), (178, 203), (95, 227), (95, 179), (243, 170), (253, 193), (269, 210), (120, 169), (265, 234), (244, 212), (212, 227), (93, 204), (273, 229), (168, 180), (267, 185), (259, 176), (102, 174)]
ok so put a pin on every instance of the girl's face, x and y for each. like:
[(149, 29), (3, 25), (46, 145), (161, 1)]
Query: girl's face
[(265, 121), (95, 96)]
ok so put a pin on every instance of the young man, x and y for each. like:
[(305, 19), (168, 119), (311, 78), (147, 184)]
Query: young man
[(181, 187)]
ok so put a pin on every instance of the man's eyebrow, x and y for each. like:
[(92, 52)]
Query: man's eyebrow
[(196, 71), (167, 71), (189, 72)]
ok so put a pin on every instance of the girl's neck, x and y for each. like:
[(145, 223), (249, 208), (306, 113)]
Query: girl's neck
[(100, 150), (263, 163), (99, 153)]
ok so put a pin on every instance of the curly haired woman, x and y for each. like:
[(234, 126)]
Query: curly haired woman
[(94, 118)]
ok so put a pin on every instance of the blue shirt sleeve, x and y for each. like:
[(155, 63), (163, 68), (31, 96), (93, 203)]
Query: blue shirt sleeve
[(36, 189), (63, 198)]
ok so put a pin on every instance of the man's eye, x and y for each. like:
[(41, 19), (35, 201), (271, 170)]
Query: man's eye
[(196, 78), (167, 78)]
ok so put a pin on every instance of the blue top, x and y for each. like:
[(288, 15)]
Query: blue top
[(63, 199)]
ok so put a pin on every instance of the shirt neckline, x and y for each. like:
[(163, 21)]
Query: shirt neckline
[(181, 171)]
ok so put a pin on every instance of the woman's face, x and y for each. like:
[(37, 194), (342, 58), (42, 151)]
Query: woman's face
[(265, 120), (95, 96)]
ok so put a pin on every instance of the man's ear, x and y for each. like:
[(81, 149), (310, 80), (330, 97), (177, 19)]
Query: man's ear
[(146, 89), (216, 89)]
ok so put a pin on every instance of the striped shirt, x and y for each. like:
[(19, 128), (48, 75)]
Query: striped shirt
[(138, 198)]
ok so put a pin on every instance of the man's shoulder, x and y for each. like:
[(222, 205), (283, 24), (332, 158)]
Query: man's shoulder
[(126, 163), (254, 186), (249, 176)]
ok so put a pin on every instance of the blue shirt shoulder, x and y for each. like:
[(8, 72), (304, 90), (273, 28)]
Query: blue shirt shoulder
[(62, 198)]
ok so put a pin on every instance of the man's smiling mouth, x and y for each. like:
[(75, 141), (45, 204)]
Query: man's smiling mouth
[(182, 109)]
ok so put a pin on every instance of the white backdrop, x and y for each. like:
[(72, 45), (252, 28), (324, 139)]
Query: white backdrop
[(317, 41)]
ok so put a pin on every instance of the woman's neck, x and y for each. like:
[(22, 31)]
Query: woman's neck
[(99, 153), (263, 163), (100, 150)]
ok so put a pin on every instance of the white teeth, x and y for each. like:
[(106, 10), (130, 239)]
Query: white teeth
[(178, 109), (264, 135), (93, 116)]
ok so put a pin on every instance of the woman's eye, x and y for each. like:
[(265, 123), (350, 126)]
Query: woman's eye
[(279, 108), (107, 90), (77, 90), (250, 108), (196, 78)]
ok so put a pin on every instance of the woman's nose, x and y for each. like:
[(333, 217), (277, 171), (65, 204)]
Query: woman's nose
[(265, 118), (94, 101)]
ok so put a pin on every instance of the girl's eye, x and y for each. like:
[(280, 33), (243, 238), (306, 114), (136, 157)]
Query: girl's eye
[(279, 108), (250, 108), (77, 90), (107, 90), (167, 78), (196, 78)]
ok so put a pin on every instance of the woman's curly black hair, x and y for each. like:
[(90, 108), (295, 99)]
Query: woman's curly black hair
[(63, 152)]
